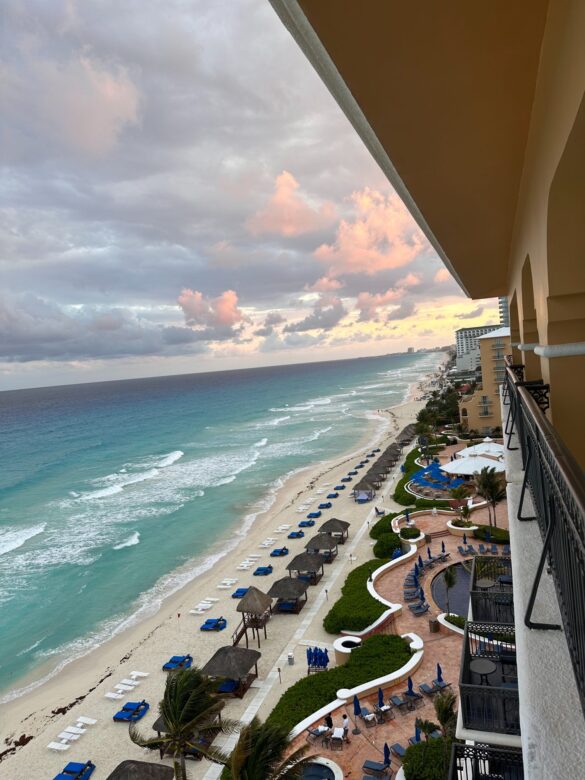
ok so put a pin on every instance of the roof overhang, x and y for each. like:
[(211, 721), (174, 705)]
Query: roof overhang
[(441, 94)]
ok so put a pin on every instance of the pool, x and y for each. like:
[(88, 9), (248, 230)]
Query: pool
[(315, 771), (458, 594)]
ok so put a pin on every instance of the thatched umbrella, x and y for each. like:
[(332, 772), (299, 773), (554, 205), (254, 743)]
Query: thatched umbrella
[(289, 592), (234, 664), (309, 567), (364, 491), (324, 544), (255, 607), (337, 528), (141, 770)]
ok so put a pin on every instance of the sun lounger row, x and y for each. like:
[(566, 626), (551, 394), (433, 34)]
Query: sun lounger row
[(128, 684), (72, 734), (227, 583), (74, 770)]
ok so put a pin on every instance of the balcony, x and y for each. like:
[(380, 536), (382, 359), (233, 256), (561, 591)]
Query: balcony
[(483, 762), (488, 682), (553, 495), (491, 590)]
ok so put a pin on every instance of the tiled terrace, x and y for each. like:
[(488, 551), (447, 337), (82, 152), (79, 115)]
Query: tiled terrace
[(443, 647)]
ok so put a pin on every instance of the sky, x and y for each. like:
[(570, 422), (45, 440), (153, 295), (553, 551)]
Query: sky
[(181, 193)]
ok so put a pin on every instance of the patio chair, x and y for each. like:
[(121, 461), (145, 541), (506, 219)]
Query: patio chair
[(402, 705), (506, 549), (471, 550), (441, 684), (482, 549), (397, 750), (420, 610), (368, 718), (461, 550), (494, 549), (376, 769), (428, 690)]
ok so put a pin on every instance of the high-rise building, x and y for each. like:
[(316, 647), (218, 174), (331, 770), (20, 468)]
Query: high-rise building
[(495, 178), (466, 341), (504, 312)]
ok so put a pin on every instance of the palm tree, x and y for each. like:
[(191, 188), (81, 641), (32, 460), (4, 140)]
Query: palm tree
[(459, 494), (449, 578), (490, 486), (263, 753), (189, 712), (444, 704), (426, 727)]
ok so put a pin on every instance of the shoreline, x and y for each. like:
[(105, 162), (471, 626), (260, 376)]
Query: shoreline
[(171, 628)]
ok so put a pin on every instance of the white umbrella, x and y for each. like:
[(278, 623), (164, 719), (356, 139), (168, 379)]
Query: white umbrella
[(486, 447), (473, 464)]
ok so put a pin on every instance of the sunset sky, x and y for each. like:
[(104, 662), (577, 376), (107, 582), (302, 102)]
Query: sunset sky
[(181, 193)]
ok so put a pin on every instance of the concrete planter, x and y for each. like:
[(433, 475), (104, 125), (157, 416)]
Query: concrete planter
[(343, 647), (456, 531)]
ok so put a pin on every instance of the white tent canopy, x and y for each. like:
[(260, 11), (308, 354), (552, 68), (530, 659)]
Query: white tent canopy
[(486, 447), (472, 464)]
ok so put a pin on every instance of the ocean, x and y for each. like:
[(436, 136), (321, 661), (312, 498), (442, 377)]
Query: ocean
[(115, 494)]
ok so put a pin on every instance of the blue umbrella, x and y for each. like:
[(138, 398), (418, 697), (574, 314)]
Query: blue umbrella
[(357, 710), (429, 553), (442, 547), (439, 673), (488, 535), (380, 697), (417, 734), (387, 758), (309, 657), (420, 562), (410, 687), (326, 657), (416, 569), (422, 594), (464, 538), (415, 581)]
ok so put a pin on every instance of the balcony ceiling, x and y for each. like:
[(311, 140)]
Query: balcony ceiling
[(441, 93)]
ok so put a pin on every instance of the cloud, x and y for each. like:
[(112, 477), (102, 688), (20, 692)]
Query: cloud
[(442, 275), (368, 304), (410, 280), (272, 318), (220, 312), (477, 312), (383, 235), (327, 312), (275, 342), (324, 284), (406, 309), (288, 214)]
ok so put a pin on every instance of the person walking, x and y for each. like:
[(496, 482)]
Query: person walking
[(345, 726)]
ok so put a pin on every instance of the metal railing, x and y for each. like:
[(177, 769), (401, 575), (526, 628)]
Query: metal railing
[(489, 689), (491, 590), (485, 762), (556, 484)]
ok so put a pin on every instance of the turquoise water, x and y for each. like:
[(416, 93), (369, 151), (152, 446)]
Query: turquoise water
[(113, 494)]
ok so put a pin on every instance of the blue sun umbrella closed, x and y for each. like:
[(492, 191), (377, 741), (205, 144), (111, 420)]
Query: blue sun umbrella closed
[(416, 570), (326, 657), (387, 758), (442, 547), (422, 594), (356, 706), (410, 686), (417, 734), (309, 657), (488, 535), (407, 517), (420, 562), (439, 673), (380, 697), (429, 553), (464, 538)]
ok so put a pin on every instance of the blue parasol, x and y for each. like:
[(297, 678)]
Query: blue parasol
[(464, 538), (442, 547), (309, 657), (416, 569), (387, 758), (380, 697), (439, 673), (357, 710), (326, 657), (420, 562), (410, 687), (417, 734), (429, 553), (422, 594), (406, 516), (488, 535)]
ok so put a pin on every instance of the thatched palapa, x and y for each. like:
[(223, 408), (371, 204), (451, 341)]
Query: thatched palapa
[(254, 602), (141, 770), (233, 664), (309, 567), (289, 593), (324, 544), (256, 608), (337, 528)]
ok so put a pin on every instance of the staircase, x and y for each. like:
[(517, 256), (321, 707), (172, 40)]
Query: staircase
[(438, 534)]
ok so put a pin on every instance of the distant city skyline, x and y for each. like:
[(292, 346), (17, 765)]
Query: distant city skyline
[(183, 194)]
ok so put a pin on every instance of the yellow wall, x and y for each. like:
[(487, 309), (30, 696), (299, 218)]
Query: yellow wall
[(483, 407)]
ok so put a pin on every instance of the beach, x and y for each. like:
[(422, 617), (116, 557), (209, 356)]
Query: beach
[(79, 689)]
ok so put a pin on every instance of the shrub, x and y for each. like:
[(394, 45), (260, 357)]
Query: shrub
[(356, 609), (459, 523), (378, 655), (401, 495), (456, 620), (428, 760), (383, 526), (498, 535), (412, 532), (429, 503), (386, 545)]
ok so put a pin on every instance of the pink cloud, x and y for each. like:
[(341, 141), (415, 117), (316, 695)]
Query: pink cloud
[(210, 312), (368, 304), (324, 284), (442, 275), (383, 235), (410, 280), (288, 214)]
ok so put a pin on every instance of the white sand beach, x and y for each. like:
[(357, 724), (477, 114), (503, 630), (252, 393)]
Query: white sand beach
[(79, 688)]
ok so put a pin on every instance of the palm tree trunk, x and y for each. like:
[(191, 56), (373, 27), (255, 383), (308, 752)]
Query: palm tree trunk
[(494, 507), (448, 610), (179, 767)]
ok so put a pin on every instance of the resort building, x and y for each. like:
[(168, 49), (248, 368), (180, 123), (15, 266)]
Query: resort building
[(504, 310), (476, 114), (466, 339), (481, 410)]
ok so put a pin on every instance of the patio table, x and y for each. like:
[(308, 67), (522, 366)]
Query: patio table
[(483, 667)]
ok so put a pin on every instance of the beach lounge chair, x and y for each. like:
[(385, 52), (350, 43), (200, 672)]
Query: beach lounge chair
[(397, 750), (403, 705), (368, 717), (494, 549), (178, 662), (471, 550), (375, 769), (239, 592), (296, 535), (441, 684), (279, 552), (333, 495), (379, 512), (411, 595), (132, 712), (461, 550), (346, 479), (77, 730), (325, 505), (123, 687), (228, 686), (214, 624), (339, 487), (420, 610), (66, 736), (76, 771), (428, 690), (91, 721), (313, 515), (352, 473), (417, 606), (306, 523), (127, 681), (263, 571), (506, 549), (110, 695)]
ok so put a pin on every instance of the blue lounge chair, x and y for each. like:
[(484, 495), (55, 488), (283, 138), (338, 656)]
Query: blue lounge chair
[(375, 768), (287, 606), (325, 505), (428, 690), (306, 523), (379, 512), (333, 495), (441, 684), (416, 607), (402, 704), (377, 449), (296, 535), (471, 550), (313, 515), (131, 712), (421, 610), (368, 717), (76, 771), (397, 750), (505, 579), (214, 624), (346, 479), (506, 549), (461, 550), (411, 595), (278, 552), (239, 593), (494, 549), (482, 549), (228, 686), (178, 662), (339, 487), (263, 571)]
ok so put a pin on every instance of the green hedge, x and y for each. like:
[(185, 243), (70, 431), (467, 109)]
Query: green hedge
[(428, 760), (378, 655), (356, 609), (412, 532), (498, 535), (456, 620), (383, 526), (429, 503), (401, 495), (386, 545)]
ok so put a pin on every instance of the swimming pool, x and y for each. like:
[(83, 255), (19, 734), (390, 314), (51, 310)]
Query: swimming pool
[(314, 771), (458, 594)]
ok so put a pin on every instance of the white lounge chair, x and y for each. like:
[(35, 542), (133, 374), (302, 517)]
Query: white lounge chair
[(93, 721), (212, 600), (58, 746), (255, 556), (65, 736), (137, 674), (75, 730), (122, 687), (110, 695), (202, 611), (223, 587), (133, 683)]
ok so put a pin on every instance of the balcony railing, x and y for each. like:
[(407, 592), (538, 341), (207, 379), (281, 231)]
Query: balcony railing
[(491, 590), (484, 762), (556, 484), (488, 682)]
